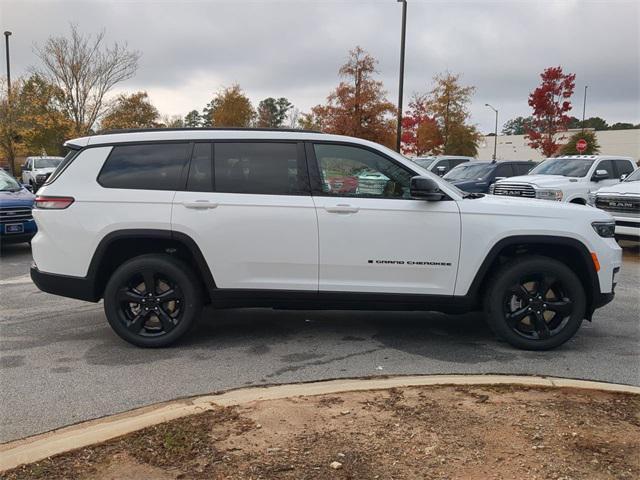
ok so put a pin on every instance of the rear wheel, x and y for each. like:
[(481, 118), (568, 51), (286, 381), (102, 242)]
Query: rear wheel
[(535, 303), (152, 300)]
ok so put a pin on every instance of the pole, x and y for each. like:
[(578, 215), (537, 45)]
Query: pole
[(7, 34), (495, 132), (584, 106), (401, 79)]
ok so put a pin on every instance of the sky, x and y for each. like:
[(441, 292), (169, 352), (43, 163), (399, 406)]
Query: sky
[(293, 48)]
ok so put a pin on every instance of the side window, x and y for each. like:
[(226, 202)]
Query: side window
[(27, 166), (523, 168), (259, 168), (608, 166), (348, 171), (623, 167), (504, 170), (145, 167), (200, 178)]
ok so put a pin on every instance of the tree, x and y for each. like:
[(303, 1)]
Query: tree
[(569, 148), (10, 116), (550, 103), (171, 121), (623, 126), (229, 108), (193, 119), (272, 113), (131, 111), (420, 132), (596, 123), (429, 138), (358, 106), (84, 69), (517, 126)]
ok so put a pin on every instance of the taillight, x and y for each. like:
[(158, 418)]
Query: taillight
[(53, 203)]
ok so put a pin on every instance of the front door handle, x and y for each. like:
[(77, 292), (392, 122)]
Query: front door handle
[(200, 204), (342, 208)]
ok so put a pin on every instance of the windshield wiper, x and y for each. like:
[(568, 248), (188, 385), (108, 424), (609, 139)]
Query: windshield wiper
[(471, 195)]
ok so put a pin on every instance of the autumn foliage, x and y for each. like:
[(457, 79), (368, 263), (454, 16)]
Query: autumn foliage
[(551, 105)]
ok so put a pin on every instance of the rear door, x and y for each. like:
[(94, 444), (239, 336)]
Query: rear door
[(248, 206), (376, 238)]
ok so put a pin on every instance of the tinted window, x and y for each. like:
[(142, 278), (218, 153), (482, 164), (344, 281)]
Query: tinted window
[(442, 167), (347, 171), (71, 154), (200, 168), (260, 168), (608, 166), (523, 168), (623, 167), (147, 167), (470, 170), (504, 170)]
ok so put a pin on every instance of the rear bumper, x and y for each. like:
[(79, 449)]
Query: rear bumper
[(81, 288)]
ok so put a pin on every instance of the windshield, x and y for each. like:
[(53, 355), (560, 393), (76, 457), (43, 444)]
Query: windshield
[(424, 162), (7, 183), (46, 162), (634, 177), (469, 171), (567, 167)]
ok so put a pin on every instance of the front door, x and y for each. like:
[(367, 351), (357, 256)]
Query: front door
[(373, 237), (251, 213)]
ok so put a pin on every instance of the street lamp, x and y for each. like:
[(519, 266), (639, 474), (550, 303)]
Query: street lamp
[(401, 80), (495, 136), (584, 106), (7, 34)]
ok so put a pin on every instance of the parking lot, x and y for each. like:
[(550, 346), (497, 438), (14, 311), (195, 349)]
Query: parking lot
[(60, 363)]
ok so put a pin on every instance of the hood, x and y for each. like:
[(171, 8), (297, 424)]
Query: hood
[(20, 198), (622, 188), (543, 181)]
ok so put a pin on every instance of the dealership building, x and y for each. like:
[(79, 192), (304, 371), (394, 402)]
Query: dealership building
[(514, 147)]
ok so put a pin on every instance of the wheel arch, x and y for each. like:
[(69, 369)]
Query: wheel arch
[(121, 245), (564, 249)]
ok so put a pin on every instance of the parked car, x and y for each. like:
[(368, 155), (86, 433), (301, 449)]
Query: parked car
[(36, 170), (158, 223), (567, 179), (478, 176), (622, 200), (16, 203), (441, 164)]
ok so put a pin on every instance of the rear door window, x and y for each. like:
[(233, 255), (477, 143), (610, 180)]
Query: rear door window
[(266, 168), (145, 167), (623, 167)]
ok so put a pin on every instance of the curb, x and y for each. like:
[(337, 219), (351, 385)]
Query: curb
[(41, 446)]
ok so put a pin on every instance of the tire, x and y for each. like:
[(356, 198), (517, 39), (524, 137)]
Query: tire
[(535, 303), (152, 300)]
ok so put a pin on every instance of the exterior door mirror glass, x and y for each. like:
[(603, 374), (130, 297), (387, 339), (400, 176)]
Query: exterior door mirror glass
[(425, 188), (600, 175)]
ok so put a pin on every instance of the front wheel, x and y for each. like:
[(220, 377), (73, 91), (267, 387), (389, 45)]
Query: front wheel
[(535, 303), (152, 300)]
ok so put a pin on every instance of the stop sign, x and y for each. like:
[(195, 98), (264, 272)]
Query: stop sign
[(581, 145)]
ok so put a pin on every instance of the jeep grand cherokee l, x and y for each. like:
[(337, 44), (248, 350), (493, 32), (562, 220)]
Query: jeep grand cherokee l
[(159, 223)]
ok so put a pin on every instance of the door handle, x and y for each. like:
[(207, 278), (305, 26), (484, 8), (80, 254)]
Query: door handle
[(200, 204), (342, 208)]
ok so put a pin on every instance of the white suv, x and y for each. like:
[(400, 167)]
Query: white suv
[(160, 222), (567, 179)]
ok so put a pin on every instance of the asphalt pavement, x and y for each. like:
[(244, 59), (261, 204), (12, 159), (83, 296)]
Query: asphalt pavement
[(60, 363)]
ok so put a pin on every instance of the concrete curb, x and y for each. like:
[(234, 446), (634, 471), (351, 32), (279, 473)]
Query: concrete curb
[(41, 446)]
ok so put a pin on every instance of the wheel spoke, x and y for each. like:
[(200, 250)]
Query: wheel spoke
[(517, 316), (544, 285), (562, 307), (168, 296), (127, 295), (521, 292), (137, 324), (149, 282), (165, 319), (541, 327)]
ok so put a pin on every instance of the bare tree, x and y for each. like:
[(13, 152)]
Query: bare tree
[(85, 70)]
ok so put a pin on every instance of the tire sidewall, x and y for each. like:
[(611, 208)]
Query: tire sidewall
[(510, 275), (174, 269)]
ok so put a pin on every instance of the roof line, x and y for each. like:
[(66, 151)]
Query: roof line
[(199, 129)]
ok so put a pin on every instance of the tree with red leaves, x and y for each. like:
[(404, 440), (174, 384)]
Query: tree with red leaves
[(414, 124), (550, 103)]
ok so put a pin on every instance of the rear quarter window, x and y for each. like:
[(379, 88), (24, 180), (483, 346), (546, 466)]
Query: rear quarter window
[(145, 167)]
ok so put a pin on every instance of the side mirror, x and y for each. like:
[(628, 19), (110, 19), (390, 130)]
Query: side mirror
[(441, 170), (425, 188), (23, 166), (28, 187), (623, 176), (600, 175)]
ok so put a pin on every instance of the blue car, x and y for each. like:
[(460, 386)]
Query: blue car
[(16, 202)]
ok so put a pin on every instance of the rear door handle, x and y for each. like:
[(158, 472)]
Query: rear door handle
[(200, 204), (342, 208)]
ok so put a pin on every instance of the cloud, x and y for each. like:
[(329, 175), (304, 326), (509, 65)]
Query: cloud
[(294, 48)]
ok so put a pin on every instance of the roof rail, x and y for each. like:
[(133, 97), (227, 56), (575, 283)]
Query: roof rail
[(183, 129)]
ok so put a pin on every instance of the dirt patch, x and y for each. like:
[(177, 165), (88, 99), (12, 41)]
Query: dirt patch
[(488, 432)]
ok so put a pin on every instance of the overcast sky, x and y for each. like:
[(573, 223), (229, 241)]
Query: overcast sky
[(294, 48)]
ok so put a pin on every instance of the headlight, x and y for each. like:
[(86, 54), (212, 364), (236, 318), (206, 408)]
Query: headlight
[(605, 229), (491, 187), (591, 199), (549, 194)]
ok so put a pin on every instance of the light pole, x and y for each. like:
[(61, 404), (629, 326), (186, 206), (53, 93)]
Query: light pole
[(584, 106), (7, 34), (495, 136), (401, 80)]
